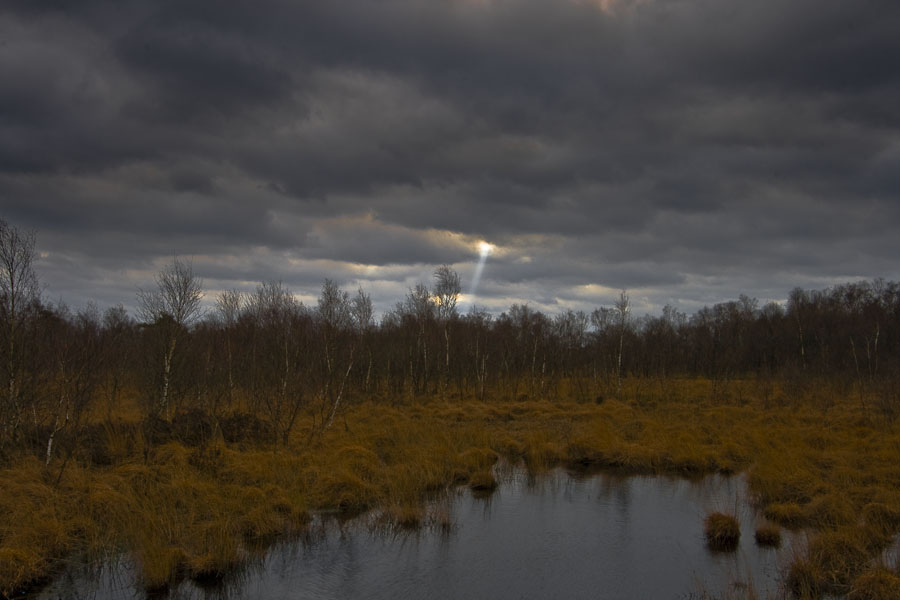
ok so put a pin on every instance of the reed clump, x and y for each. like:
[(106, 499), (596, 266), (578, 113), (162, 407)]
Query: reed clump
[(830, 511), (881, 518), (786, 514), (875, 584), (722, 531), (837, 558), (804, 580), (483, 482), (476, 460), (768, 535)]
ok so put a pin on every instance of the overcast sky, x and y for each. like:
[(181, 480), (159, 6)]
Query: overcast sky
[(686, 150)]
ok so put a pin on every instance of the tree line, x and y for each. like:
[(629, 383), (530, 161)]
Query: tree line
[(268, 355)]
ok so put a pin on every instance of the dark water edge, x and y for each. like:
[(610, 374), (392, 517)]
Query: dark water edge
[(557, 535)]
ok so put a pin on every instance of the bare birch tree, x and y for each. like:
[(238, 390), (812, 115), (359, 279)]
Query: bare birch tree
[(172, 307), (446, 293), (77, 365), (363, 318), (229, 304), (623, 311), (18, 290), (419, 304), (336, 315), (277, 315)]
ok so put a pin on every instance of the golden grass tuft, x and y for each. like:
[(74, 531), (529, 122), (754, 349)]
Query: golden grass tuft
[(786, 514), (39, 523), (341, 489), (585, 450), (768, 535), (777, 479), (838, 557), (158, 563), (540, 454), (511, 448), (804, 580), (477, 459), (722, 532), (882, 518), (213, 551), (483, 482), (19, 566), (875, 584), (830, 511)]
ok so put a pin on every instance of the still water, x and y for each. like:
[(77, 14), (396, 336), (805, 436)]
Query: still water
[(557, 536)]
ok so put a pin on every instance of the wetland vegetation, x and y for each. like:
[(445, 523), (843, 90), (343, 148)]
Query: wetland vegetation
[(188, 441)]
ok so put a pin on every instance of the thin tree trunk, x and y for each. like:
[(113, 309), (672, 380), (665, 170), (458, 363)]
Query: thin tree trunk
[(56, 427), (337, 400), (167, 369), (368, 372), (619, 362)]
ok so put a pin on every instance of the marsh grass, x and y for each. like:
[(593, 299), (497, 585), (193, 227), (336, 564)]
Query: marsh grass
[(200, 510), (837, 558), (876, 584), (883, 520), (804, 580), (405, 516), (768, 535), (786, 514), (722, 532), (483, 483)]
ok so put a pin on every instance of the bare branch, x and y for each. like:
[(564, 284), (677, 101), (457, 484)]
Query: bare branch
[(446, 291), (362, 311), (178, 294)]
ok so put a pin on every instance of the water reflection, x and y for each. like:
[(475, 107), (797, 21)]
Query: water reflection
[(597, 536)]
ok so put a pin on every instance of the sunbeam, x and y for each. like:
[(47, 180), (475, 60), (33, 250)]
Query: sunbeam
[(484, 250)]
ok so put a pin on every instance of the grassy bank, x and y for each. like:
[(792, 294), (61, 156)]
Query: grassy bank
[(180, 509)]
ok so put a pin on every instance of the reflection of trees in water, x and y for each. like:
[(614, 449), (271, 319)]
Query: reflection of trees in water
[(615, 490)]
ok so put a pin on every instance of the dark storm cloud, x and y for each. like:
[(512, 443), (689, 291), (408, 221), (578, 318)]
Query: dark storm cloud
[(688, 150)]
